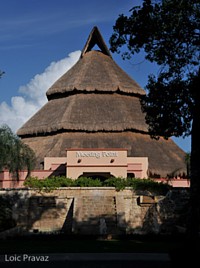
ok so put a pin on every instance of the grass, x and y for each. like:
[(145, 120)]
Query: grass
[(81, 244)]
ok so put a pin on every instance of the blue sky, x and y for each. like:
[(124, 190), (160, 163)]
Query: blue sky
[(37, 38)]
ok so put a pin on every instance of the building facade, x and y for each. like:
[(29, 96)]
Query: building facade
[(94, 110), (100, 163)]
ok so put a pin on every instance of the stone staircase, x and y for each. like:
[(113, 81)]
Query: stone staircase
[(91, 211)]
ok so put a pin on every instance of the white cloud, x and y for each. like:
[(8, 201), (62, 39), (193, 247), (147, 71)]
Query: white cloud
[(33, 95)]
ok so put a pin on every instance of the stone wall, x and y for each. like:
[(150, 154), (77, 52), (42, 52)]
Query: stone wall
[(96, 210)]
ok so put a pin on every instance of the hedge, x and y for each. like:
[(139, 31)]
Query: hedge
[(52, 183)]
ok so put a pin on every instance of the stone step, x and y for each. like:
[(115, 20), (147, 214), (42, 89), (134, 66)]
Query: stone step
[(95, 210)]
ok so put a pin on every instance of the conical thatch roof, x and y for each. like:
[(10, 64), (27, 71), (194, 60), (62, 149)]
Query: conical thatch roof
[(97, 105), (95, 71), (106, 76)]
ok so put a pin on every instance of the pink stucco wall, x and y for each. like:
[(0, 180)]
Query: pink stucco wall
[(176, 182), (8, 181)]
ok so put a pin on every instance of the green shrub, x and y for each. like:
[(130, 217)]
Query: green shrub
[(33, 182), (52, 183), (88, 182), (148, 185), (57, 182), (118, 183)]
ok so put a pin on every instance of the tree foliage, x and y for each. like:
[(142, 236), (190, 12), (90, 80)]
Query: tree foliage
[(168, 32), (15, 155)]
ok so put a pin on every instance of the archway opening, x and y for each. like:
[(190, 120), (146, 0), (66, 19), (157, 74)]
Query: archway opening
[(102, 176), (131, 175)]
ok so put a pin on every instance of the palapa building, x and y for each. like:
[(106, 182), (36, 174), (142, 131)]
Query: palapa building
[(93, 125)]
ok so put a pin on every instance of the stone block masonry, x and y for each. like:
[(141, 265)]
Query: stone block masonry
[(84, 210), (90, 210)]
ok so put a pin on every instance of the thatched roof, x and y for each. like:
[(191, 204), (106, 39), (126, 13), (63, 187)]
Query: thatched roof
[(95, 38), (95, 71), (94, 95), (164, 156), (87, 112), (97, 105)]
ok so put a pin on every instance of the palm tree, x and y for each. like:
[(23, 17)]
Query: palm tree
[(15, 155)]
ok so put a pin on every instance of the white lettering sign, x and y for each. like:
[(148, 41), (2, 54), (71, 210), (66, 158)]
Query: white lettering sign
[(96, 154)]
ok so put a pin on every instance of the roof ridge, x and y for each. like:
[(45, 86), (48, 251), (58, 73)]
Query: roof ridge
[(95, 38)]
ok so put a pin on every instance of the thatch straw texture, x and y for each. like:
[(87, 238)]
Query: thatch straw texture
[(87, 112), (95, 71), (95, 38)]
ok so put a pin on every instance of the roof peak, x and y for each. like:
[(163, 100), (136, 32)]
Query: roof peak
[(95, 38)]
